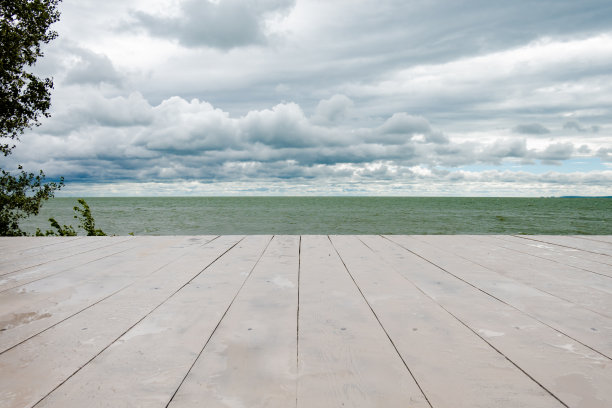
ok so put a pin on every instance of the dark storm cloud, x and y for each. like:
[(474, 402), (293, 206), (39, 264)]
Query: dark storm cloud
[(404, 124), (555, 153), (91, 68), (605, 154), (449, 28), (502, 149), (365, 37), (531, 129), (573, 125), (226, 24), (363, 42)]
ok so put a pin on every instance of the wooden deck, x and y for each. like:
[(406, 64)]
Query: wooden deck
[(310, 321)]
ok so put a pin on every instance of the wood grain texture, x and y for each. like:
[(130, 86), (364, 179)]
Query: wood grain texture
[(600, 238), (452, 363), (562, 365), (171, 337), (548, 252), (587, 327), (591, 291), (34, 273), (361, 321), (39, 256), (565, 252), (16, 245), (578, 244), (42, 363), (32, 308), (345, 357), (250, 360)]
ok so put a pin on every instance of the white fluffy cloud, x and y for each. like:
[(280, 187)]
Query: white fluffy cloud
[(333, 109), (127, 139)]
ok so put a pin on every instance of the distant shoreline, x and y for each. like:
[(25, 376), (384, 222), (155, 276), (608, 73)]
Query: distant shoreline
[(585, 197)]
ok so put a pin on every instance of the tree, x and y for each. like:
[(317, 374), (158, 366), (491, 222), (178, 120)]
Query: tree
[(24, 27), (24, 99), (21, 197)]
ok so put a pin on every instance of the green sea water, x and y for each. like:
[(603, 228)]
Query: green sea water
[(336, 215)]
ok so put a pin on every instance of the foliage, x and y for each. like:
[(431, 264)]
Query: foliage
[(87, 223), (24, 98), (86, 219), (62, 230), (20, 197)]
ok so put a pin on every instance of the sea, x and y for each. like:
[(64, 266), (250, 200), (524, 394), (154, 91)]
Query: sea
[(334, 215)]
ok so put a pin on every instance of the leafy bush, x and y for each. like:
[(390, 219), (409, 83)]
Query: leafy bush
[(86, 222)]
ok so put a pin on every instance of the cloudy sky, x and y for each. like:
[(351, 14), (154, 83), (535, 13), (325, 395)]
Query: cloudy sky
[(319, 97)]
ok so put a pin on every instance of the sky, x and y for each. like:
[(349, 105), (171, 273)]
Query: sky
[(328, 97)]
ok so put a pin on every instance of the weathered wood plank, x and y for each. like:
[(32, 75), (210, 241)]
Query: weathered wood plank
[(572, 372), (15, 245), (251, 360), (32, 308), (31, 258), (25, 276), (591, 291), (43, 363), (602, 238), (345, 357), (172, 336), (53, 246), (453, 365), (561, 249), (589, 328), (127, 329), (549, 252), (600, 248)]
